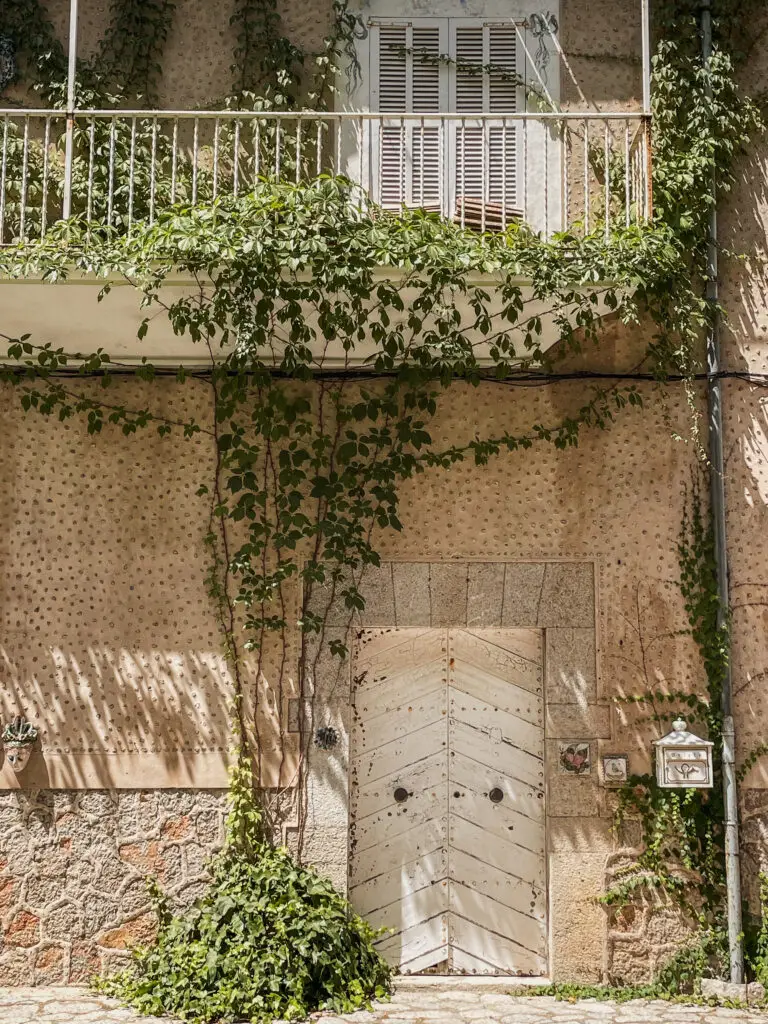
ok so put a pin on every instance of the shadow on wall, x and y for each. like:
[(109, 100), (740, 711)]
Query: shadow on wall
[(121, 717), (744, 287)]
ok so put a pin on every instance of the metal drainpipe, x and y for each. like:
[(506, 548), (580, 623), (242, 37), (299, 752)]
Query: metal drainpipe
[(717, 502)]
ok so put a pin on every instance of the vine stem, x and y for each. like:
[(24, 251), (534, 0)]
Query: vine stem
[(222, 575)]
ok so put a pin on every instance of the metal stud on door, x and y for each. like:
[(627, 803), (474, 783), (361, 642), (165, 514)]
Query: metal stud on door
[(447, 783)]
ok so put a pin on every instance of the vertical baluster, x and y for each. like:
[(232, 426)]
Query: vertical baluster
[(360, 136), (131, 172), (215, 157), (646, 172), (463, 174), (421, 164), (627, 187), (504, 174), (153, 172), (174, 158), (298, 150), (568, 156), (525, 168), (607, 161), (441, 175), (3, 174), (256, 151), (546, 180), (111, 182), (236, 160), (195, 143), (586, 176), (485, 172), (24, 179), (319, 150), (403, 163), (337, 169), (91, 161), (278, 154), (44, 200), (376, 184)]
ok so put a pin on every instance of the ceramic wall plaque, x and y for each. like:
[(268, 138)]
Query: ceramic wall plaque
[(573, 758), (615, 769)]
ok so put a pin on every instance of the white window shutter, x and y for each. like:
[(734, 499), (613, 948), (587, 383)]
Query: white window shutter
[(469, 169), (486, 151), (503, 78), (409, 78), (469, 53), (425, 69), (392, 62)]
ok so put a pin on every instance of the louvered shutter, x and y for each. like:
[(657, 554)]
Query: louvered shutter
[(486, 152), (468, 169), (407, 77)]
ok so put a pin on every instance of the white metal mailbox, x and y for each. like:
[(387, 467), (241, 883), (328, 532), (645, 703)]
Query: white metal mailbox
[(683, 760)]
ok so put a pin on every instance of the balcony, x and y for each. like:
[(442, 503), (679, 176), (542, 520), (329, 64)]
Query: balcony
[(486, 172)]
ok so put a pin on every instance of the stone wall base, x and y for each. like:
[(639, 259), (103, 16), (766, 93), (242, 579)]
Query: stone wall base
[(74, 869)]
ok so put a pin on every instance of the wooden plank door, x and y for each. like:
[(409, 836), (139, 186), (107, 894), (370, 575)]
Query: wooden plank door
[(447, 798)]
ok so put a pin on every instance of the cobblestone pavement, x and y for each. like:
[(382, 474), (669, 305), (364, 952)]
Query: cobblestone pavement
[(431, 1005)]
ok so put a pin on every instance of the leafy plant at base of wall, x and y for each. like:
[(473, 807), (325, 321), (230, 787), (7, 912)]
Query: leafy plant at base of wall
[(656, 990), (269, 940), (758, 960)]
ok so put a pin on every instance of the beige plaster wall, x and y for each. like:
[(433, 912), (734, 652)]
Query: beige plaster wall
[(199, 54), (109, 640), (197, 63), (106, 631), (743, 225)]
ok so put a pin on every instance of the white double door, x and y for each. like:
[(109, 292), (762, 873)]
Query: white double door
[(447, 839)]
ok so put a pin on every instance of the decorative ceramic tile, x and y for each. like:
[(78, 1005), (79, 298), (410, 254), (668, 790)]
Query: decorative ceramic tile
[(573, 757), (615, 769)]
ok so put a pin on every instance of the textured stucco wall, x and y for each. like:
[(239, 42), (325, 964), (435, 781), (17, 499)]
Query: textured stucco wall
[(200, 49), (106, 632), (743, 227), (85, 572)]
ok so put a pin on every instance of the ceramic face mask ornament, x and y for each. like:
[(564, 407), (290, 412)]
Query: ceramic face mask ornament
[(19, 738)]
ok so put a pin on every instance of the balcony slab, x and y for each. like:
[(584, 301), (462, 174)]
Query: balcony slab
[(67, 314)]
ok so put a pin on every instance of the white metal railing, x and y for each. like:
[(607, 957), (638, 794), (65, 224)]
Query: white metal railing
[(551, 171)]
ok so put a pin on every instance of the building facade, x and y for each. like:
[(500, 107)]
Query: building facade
[(455, 783)]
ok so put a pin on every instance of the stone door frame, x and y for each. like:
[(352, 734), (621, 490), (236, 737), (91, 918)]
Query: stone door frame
[(558, 597)]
